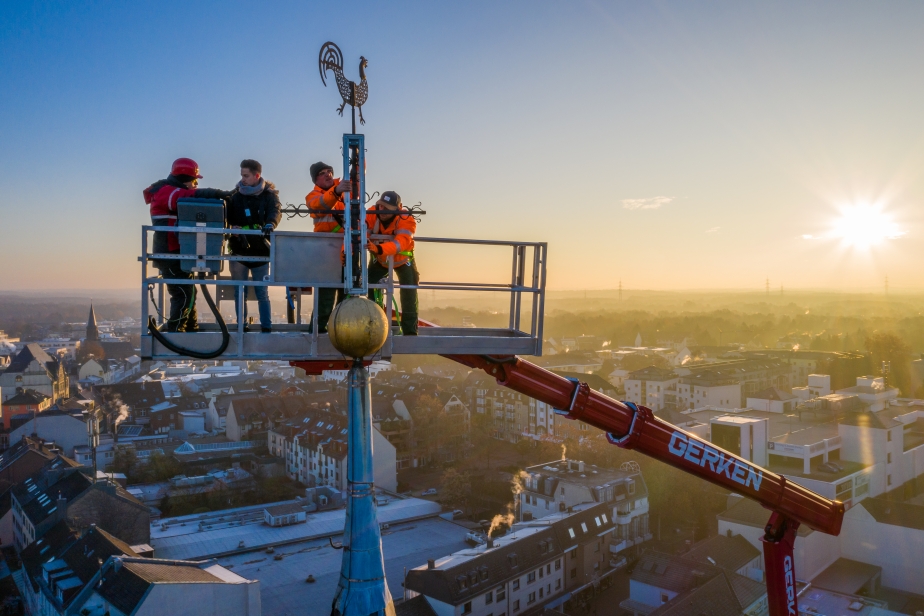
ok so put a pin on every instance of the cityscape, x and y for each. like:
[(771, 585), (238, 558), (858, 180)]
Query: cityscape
[(550, 309), (235, 471)]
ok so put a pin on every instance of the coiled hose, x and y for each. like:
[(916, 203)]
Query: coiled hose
[(225, 336)]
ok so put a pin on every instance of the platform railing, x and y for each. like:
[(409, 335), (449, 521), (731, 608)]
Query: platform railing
[(300, 261)]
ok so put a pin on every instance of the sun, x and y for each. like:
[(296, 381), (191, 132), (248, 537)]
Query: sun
[(864, 226)]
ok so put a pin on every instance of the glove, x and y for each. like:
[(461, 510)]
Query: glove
[(225, 194), (374, 248), (267, 229)]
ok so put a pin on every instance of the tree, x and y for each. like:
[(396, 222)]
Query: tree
[(125, 461), (887, 347), (455, 489)]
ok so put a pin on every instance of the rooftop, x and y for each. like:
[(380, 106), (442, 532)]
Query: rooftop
[(223, 531), (282, 582)]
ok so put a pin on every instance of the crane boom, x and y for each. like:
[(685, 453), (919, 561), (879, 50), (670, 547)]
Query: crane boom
[(632, 426)]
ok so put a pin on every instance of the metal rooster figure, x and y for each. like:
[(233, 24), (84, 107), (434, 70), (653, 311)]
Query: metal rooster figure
[(331, 59)]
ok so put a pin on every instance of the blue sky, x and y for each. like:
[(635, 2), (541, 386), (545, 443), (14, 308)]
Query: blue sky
[(667, 145)]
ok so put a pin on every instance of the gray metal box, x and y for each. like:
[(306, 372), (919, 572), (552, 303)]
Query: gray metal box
[(209, 213)]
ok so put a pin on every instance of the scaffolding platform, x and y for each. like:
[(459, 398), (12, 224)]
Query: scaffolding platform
[(305, 261)]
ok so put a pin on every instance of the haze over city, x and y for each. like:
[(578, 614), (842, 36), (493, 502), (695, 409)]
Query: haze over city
[(667, 145)]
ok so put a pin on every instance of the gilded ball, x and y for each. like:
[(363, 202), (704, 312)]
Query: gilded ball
[(357, 327)]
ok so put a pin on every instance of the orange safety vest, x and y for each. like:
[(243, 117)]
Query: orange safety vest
[(402, 230), (319, 199)]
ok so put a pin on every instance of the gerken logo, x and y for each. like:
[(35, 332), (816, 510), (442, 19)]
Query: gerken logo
[(717, 461), (790, 585)]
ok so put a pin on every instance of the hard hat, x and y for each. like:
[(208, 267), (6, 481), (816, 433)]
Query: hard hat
[(185, 166)]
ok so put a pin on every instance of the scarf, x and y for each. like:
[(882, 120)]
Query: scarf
[(252, 191)]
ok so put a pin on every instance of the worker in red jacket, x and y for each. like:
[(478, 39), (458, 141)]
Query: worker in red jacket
[(327, 194), (388, 217), (162, 196)]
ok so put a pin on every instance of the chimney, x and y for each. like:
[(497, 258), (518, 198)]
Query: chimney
[(581, 466), (431, 563), (490, 542), (61, 511)]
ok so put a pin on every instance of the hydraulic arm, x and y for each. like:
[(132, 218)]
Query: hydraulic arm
[(635, 427), (632, 426)]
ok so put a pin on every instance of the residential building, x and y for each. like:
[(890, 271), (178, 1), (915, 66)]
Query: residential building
[(536, 564), (650, 387), (67, 429), (877, 532), (872, 391), (135, 399), (695, 583), (314, 446), (24, 459), (94, 573), (33, 368), (66, 493), (704, 388), (565, 484), (25, 401)]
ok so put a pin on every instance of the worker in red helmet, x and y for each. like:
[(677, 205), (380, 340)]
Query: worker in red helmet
[(162, 196), (327, 194), (388, 217)]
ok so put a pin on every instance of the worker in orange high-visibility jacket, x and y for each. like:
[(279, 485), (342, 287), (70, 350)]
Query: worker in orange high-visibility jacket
[(388, 217), (327, 195)]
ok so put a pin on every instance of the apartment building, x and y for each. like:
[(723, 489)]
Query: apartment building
[(652, 387), (563, 485), (536, 564)]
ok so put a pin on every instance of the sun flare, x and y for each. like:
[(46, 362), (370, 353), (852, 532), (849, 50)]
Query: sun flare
[(864, 226)]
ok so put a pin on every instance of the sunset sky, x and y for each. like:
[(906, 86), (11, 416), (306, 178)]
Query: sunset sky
[(669, 145)]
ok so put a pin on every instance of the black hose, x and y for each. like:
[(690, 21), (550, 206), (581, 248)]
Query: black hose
[(225, 336)]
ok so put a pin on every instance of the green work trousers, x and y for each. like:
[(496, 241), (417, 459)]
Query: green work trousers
[(407, 274)]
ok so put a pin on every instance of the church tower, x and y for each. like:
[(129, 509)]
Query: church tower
[(92, 329)]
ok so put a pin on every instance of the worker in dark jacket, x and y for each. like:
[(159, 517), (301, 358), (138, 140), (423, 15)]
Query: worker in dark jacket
[(162, 196), (253, 205)]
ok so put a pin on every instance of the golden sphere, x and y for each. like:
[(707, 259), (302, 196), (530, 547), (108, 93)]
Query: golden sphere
[(357, 327)]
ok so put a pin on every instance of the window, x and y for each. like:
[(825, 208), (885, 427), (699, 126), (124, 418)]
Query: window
[(558, 584), (562, 491), (516, 605), (573, 572), (573, 554), (584, 527), (489, 598), (558, 564), (531, 598), (888, 458), (467, 608), (597, 520), (501, 593), (889, 436), (516, 584), (531, 577), (571, 532), (548, 569), (889, 479)]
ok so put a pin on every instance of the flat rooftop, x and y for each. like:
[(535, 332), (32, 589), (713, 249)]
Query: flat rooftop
[(223, 531), (567, 470), (283, 589)]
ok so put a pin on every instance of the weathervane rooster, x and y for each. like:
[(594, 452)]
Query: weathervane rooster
[(331, 59)]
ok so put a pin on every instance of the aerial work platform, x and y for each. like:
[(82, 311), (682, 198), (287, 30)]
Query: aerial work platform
[(305, 261)]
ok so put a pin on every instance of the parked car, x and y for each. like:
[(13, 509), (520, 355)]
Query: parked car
[(429, 492)]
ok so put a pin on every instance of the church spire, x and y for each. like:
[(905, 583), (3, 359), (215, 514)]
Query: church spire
[(92, 330)]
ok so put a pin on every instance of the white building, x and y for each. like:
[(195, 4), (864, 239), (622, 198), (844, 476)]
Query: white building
[(650, 386), (772, 400), (705, 388)]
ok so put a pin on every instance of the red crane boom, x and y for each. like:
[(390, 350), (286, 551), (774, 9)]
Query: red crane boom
[(635, 427)]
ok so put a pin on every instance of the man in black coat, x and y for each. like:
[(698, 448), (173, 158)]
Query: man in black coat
[(253, 205)]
